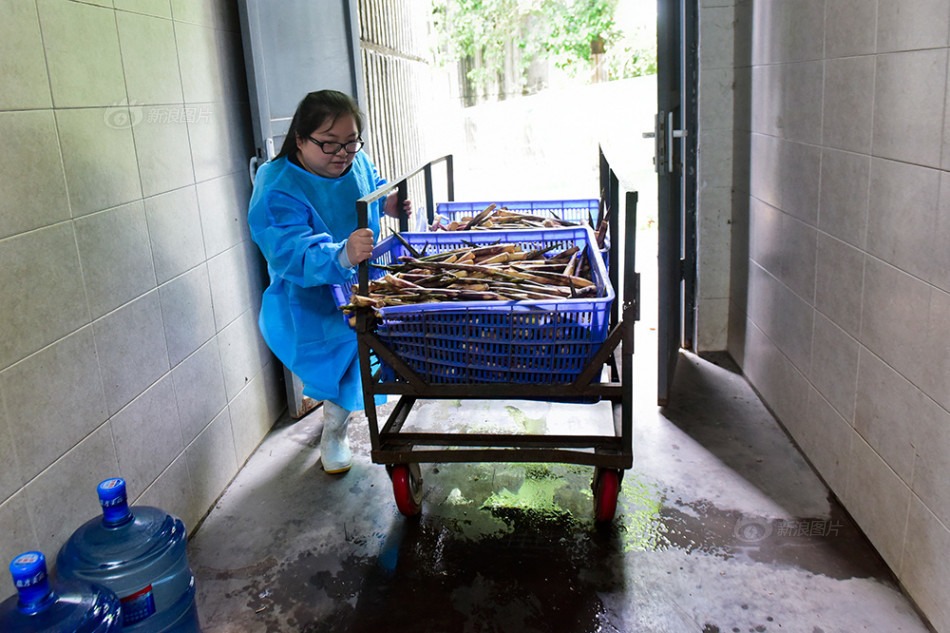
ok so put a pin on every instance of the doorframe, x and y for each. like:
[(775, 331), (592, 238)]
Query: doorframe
[(690, 146), (676, 167)]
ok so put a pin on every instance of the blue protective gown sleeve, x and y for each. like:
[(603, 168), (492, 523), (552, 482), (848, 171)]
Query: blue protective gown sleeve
[(300, 221)]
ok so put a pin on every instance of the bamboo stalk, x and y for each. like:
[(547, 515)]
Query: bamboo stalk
[(482, 215)]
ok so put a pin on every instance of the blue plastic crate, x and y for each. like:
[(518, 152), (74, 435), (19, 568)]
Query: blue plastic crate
[(543, 342), (578, 211), (582, 212)]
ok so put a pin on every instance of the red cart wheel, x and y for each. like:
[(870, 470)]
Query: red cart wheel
[(606, 489), (407, 488)]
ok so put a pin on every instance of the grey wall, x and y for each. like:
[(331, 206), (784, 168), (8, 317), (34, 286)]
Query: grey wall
[(715, 163), (840, 275), (401, 87), (128, 286), (408, 107)]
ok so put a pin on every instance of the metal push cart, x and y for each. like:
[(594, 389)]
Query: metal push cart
[(402, 451)]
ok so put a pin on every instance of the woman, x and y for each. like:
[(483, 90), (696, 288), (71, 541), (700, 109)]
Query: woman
[(302, 215)]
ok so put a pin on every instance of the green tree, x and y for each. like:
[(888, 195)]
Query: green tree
[(573, 29), (483, 33)]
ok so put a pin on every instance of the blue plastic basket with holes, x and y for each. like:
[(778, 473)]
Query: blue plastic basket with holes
[(535, 342), (581, 212)]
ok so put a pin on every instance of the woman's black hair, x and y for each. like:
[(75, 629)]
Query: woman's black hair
[(314, 111)]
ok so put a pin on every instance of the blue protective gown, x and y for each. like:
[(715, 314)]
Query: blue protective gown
[(300, 221)]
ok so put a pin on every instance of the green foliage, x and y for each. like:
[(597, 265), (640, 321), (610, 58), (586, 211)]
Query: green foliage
[(484, 34), (572, 26), (487, 34), (625, 62)]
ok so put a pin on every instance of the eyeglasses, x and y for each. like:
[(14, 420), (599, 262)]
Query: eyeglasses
[(330, 147)]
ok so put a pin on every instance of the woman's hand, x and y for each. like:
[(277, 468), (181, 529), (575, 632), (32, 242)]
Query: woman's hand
[(359, 246), (390, 207)]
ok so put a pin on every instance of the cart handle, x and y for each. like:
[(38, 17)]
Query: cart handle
[(402, 187)]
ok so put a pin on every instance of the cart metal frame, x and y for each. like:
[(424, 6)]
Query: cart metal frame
[(392, 446)]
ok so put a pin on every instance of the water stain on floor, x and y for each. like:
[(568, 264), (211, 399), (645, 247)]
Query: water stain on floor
[(542, 574)]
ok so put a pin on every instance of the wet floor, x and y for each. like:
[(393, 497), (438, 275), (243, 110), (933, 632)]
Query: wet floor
[(721, 527)]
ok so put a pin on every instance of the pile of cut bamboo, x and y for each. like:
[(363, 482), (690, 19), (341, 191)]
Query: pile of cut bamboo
[(494, 217)]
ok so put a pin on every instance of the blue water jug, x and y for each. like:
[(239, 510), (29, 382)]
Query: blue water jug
[(41, 606), (140, 555)]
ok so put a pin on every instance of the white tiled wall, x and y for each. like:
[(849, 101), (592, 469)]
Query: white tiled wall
[(839, 291), (129, 288)]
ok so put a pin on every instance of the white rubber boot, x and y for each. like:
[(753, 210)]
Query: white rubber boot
[(335, 454)]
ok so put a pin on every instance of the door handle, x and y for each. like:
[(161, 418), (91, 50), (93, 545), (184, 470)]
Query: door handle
[(663, 135), (669, 143), (652, 135), (657, 136), (252, 168)]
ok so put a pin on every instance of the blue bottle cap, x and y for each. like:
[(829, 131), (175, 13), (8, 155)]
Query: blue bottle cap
[(115, 504), (30, 579)]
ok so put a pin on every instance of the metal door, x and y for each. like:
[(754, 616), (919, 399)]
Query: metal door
[(293, 47), (675, 137)]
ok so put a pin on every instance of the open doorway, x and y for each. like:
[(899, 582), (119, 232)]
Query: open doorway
[(516, 150), (544, 146)]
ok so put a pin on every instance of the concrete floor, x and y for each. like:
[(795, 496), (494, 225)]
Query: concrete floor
[(721, 527)]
